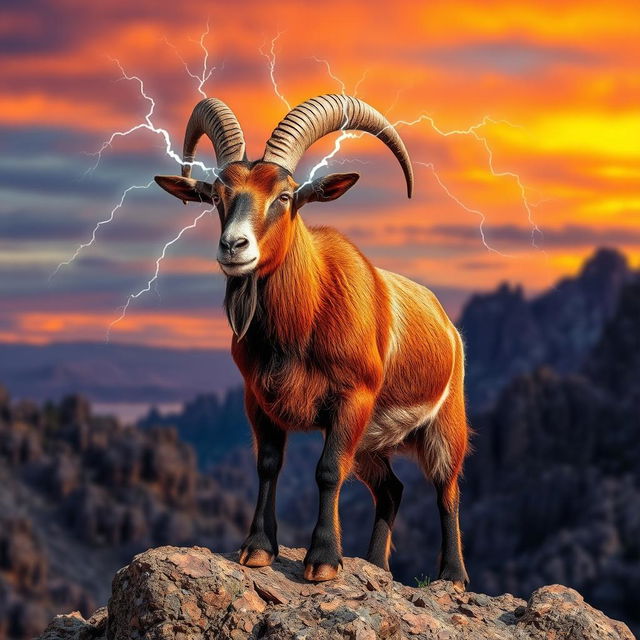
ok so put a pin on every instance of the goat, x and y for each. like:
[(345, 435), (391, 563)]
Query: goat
[(326, 341)]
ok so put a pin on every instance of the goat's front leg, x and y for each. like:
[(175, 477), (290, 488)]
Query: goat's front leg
[(341, 441), (261, 546)]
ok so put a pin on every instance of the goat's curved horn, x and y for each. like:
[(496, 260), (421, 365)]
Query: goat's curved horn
[(213, 118), (317, 117)]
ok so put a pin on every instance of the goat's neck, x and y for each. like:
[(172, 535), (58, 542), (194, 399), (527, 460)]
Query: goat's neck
[(290, 296)]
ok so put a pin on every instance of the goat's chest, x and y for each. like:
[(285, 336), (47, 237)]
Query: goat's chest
[(289, 388)]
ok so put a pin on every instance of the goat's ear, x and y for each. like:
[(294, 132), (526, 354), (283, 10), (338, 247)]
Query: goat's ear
[(326, 188), (186, 189)]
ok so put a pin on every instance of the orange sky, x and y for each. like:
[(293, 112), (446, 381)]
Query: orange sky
[(564, 74)]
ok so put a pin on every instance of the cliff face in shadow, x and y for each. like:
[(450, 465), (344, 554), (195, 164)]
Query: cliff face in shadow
[(556, 465), (507, 335)]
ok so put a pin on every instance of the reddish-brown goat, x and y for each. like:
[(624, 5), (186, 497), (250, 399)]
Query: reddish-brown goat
[(324, 340)]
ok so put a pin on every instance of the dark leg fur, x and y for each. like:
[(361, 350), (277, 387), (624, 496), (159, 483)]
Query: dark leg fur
[(325, 553), (451, 562), (386, 490), (261, 546)]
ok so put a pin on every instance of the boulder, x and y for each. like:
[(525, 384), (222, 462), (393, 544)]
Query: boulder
[(172, 593)]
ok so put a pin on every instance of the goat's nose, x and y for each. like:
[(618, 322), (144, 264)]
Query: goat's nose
[(234, 244)]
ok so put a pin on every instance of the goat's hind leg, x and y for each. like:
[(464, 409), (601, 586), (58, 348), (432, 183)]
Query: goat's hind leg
[(386, 489), (451, 562), (441, 448)]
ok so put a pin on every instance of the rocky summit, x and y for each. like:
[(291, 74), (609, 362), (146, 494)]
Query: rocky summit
[(173, 593)]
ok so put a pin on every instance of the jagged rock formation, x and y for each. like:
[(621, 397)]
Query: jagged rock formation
[(507, 335), (190, 593), (80, 495), (213, 426), (29, 592)]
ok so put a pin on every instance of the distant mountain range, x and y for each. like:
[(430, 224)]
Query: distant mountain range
[(114, 372)]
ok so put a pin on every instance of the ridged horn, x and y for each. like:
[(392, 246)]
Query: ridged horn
[(315, 118), (213, 118)]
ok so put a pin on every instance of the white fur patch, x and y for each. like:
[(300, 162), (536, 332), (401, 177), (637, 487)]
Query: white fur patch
[(389, 427), (395, 325)]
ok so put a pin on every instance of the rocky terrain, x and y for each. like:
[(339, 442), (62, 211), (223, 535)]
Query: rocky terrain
[(213, 426), (174, 593), (80, 495)]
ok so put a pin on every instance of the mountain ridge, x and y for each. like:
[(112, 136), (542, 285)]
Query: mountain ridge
[(115, 371), (506, 334)]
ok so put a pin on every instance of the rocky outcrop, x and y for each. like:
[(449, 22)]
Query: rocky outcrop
[(29, 592), (81, 494), (507, 335), (172, 593)]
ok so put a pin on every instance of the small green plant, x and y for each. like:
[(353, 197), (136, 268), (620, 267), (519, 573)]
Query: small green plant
[(237, 590), (423, 581)]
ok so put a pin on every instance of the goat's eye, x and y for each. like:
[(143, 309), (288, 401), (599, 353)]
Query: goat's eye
[(284, 198), (216, 198)]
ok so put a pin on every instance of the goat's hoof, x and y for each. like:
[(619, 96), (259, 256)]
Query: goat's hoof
[(459, 586), (255, 558), (457, 576), (320, 572)]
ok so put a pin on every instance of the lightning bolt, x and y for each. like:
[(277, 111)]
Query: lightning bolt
[(363, 77), (271, 58), (152, 280), (535, 229), (98, 225), (330, 73), (344, 134), (461, 204), (473, 131), (343, 161), (470, 131), (148, 125), (207, 71)]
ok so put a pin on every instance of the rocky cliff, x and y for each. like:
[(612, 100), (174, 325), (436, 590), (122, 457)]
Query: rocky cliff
[(172, 593), (507, 334), (80, 495)]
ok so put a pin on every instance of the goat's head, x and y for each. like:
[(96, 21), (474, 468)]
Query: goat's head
[(258, 201)]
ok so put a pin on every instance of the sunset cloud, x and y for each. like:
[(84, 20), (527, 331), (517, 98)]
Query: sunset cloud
[(564, 76)]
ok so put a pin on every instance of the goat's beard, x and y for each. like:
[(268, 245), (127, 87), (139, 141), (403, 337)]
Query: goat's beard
[(241, 302)]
